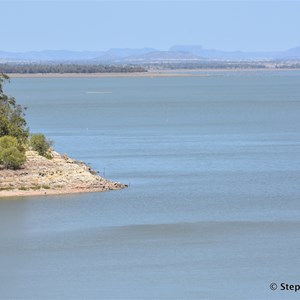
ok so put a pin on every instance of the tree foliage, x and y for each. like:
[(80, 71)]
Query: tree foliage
[(12, 154), (14, 132), (39, 143), (12, 121), (69, 68)]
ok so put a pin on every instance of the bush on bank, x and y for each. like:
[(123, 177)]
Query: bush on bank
[(12, 154), (39, 143)]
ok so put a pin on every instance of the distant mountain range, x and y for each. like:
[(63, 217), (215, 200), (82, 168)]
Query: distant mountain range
[(179, 53)]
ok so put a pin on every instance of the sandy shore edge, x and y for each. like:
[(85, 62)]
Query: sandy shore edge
[(48, 192)]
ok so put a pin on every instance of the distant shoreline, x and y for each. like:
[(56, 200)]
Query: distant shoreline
[(104, 75), (161, 73)]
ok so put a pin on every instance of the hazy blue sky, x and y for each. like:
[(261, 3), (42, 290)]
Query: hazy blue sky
[(100, 25)]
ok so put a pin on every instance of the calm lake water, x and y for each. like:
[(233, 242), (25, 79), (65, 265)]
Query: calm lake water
[(213, 206)]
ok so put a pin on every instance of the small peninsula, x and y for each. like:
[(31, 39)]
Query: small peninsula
[(58, 175), (29, 165)]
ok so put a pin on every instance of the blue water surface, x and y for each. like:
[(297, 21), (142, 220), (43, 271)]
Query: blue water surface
[(212, 210)]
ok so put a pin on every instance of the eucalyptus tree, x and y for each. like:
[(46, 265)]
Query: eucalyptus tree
[(12, 115)]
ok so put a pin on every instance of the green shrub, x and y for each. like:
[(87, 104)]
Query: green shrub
[(39, 143), (12, 155)]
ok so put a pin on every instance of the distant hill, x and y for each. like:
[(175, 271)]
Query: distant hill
[(121, 53), (145, 55), (293, 53), (235, 55), (162, 56)]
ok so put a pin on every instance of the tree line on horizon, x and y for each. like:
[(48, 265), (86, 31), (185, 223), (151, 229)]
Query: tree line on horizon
[(68, 68), (226, 65)]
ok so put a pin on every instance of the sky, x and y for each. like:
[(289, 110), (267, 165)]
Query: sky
[(100, 25)]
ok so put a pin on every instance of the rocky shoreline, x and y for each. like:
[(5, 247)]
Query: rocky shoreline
[(59, 175)]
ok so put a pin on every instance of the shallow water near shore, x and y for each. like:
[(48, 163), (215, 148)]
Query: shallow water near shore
[(212, 210)]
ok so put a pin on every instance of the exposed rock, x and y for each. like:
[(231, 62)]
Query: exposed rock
[(59, 175)]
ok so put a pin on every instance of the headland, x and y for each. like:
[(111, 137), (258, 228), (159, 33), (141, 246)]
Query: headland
[(59, 175)]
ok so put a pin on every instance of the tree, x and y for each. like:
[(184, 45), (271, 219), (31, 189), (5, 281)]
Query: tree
[(12, 154), (12, 121), (14, 132), (39, 143)]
